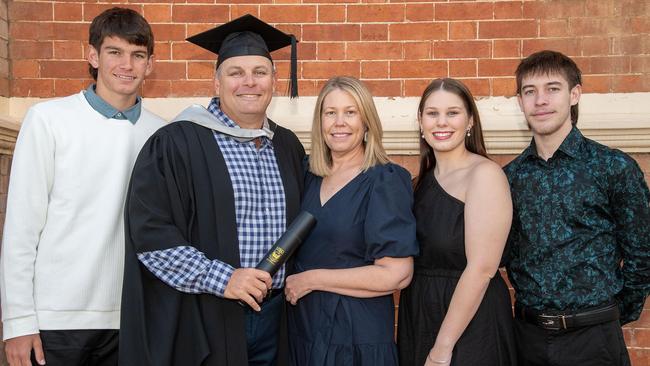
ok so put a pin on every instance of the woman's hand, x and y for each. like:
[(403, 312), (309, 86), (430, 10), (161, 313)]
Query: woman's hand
[(299, 285)]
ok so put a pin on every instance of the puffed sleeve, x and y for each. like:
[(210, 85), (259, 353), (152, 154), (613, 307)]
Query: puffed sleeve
[(390, 224)]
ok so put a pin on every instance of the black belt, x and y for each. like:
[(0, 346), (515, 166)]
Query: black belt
[(554, 320)]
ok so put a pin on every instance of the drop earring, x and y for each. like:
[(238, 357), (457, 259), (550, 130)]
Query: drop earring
[(365, 136), (469, 133)]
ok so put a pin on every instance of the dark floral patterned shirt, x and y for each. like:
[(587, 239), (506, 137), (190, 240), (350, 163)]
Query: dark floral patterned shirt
[(576, 217)]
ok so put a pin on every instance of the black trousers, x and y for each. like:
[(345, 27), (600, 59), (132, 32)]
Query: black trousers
[(596, 345), (88, 347)]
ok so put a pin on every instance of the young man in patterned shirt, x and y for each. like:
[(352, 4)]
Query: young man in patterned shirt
[(580, 239)]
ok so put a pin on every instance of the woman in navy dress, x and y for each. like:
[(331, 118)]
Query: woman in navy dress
[(361, 249), (457, 309)]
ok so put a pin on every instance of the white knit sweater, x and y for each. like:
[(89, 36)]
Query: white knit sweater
[(63, 246)]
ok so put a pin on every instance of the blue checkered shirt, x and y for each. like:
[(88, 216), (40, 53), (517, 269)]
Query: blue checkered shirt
[(260, 216)]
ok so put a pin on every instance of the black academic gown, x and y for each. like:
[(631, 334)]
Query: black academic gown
[(181, 194)]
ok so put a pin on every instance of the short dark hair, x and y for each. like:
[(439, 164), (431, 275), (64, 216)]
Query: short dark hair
[(122, 23), (551, 62)]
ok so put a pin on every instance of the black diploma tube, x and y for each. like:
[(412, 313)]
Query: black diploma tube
[(288, 243)]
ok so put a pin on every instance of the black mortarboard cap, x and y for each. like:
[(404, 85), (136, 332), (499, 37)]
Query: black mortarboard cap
[(246, 36)]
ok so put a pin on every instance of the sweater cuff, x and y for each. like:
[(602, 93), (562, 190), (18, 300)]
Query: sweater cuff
[(12, 328)]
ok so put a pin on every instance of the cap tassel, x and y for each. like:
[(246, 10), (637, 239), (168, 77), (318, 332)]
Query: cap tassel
[(293, 84)]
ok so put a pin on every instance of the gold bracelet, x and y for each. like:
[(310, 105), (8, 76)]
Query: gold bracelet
[(436, 361)]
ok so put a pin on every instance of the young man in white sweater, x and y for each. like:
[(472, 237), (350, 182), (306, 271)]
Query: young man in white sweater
[(63, 248)]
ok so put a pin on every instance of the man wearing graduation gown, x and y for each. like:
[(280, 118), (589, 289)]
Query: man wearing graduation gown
[(209, 195)]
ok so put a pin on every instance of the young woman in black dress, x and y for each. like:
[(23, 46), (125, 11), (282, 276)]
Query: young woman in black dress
[(457, 309)]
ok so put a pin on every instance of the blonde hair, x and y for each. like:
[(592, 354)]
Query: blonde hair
[(320, 159)]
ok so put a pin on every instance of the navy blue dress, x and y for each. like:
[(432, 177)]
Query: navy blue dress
[(368, 219)]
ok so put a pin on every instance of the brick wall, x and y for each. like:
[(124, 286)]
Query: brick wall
[(395, 46), (4, 50)]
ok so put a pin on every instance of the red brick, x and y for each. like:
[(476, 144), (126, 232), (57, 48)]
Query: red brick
[(239, 10), (627, 83), (190, 88), (415, 87), (374, 32), (419, 12), (478, 87), (462, 68), (93, 10), (188, 51), (162, 51), (72, 50), (554, 28), (157, 88), (233, 2), (462, 30), (504, 87), (417, 69), (502, 67), (64, 69), (630, 45), (31, 30), (640, 25), (374, 69), (461, 49), (67, 12), (596, 84), (464, 11), (168, 32), (333, 32), (417, 50), (553, 9), (596, 26), (306, 51), (568, 46), (325, 70), (71, 31), (592, 46), (417, 31), (384, 88), (169, 71), (30, 50), (610, 65), (374, 51), (599, 8), (506, 48), (508, 10), (196, 28), (641, 338), (24, 69), (158, 13), (287, 28), (507, 29), (330, 51), (33, 11), (200, 70), (639, 356), (376, 13), (63, 87), (331, 13), (200, 13), (632, 8), (40, 88), (288, 13), (640, 64)]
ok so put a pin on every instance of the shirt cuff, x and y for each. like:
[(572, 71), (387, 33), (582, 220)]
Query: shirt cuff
[(12, 328)]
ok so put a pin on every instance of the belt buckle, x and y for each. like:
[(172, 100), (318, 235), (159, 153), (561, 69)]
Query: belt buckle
[(552, 322)]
